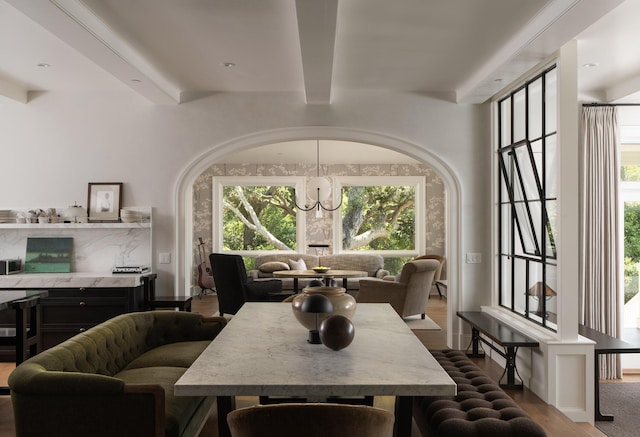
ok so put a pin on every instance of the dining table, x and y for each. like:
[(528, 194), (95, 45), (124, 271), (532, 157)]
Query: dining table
[(263, 351)]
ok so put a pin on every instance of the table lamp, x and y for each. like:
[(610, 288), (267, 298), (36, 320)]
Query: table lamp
[(316, 303), (540, 290)]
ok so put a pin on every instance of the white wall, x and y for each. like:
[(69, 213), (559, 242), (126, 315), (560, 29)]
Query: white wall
[(57, 143)]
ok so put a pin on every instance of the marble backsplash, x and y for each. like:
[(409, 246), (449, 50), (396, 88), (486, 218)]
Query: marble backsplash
[(96, 247)]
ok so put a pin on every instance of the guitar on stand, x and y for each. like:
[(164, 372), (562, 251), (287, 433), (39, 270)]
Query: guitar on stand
[(205, 274)]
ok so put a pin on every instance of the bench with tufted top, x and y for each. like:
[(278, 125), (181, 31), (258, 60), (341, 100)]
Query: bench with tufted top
[(116, 379), (480, 409)]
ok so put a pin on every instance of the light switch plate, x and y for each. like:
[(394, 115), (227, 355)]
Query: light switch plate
[(164, 258), (474, 258)]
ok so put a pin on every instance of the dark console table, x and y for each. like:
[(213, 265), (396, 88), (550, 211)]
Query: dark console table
[(501, 333), (605, 344)]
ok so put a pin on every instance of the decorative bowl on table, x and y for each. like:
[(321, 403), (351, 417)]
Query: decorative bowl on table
[(343, 304), (321, 269)]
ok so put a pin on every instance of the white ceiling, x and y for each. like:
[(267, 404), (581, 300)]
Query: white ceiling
[(173, 51)]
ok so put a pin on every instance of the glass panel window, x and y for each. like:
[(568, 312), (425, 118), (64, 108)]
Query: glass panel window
[(381, 214), (255, 216), (528, 207)]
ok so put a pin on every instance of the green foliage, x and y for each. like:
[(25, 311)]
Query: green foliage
[(394, 265), (374, 218), (630, 279), (632, 230), (630, 173), (631, 248), (378, 218), (263, 207)]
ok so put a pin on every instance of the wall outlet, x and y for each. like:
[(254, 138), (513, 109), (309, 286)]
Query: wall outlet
[(474, 258), (164, 258)]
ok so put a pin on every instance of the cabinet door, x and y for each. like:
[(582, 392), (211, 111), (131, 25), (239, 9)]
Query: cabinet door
[(69, 311)]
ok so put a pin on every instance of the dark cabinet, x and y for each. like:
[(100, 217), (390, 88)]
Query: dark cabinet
[(68, 311)]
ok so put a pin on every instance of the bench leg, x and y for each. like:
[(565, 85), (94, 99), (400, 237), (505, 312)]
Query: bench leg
[(510, 369), (475, 344)]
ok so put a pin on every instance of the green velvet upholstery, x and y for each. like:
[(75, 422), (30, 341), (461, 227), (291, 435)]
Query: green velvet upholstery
[(310, 420), (116, 379)]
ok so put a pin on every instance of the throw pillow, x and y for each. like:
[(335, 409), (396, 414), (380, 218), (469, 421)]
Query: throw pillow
[(297, 265), (273, 266)]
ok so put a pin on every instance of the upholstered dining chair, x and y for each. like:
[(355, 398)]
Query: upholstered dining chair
[(408, 294), (310, 420), (438, 273), (234, 287)]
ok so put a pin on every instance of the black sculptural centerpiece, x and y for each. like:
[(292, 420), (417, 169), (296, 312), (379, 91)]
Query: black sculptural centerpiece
[(316, 303)]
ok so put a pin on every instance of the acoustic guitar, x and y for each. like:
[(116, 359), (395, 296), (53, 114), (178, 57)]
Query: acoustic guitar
[(205, 274)]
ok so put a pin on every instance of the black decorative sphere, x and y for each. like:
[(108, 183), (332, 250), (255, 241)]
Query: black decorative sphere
[(315, 283), (336, 332)]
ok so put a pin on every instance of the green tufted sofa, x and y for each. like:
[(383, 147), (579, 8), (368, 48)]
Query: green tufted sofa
[(116, 379)]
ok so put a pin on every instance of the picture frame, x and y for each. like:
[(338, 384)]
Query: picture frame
[(104, 201)]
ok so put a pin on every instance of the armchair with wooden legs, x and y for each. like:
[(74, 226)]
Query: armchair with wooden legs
[(408, 294)]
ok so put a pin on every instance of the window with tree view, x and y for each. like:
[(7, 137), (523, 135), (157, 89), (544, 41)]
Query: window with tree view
[(381, 214), (258, 218)]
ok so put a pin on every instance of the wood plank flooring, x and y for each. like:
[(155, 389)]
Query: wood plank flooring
[(551, 419)]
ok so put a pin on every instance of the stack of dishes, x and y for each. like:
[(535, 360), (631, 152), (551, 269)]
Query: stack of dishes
[(6, 216), (129, 216)]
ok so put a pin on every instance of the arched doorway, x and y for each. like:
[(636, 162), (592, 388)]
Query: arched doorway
[(184, 193)]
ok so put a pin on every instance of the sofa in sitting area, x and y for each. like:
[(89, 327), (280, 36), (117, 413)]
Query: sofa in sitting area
[(116, 379), (265, 265)]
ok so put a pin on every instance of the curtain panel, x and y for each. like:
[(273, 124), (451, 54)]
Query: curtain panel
[(600, 301)]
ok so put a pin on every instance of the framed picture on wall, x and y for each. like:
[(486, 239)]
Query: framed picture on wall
[(105, 201)]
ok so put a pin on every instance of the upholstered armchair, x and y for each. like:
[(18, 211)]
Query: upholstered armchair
[(408, 294), (438, 273), (234, 287), (311, 420)]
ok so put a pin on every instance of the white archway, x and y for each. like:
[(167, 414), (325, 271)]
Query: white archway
[(184, 194)]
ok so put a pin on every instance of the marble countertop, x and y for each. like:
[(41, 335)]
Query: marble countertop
[(69, 280), (264, 351)]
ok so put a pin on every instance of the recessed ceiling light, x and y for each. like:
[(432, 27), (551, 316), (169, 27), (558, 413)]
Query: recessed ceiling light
[(590, 65), (43, 65), (228, 64), (498, 80), (136, 80)]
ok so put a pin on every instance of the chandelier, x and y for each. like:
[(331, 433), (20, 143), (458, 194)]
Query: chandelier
[(318, 190)]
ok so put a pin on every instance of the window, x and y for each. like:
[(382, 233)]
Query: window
[(256, 214), (527, 141), (382, 214)]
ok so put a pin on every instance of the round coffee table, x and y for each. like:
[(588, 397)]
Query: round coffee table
[(297, 274)]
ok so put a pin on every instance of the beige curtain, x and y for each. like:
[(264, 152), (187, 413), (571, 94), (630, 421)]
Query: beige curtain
[(600, 303)]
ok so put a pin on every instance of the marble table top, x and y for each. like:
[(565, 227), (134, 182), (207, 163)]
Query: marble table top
[(69, 280), (264, 351)]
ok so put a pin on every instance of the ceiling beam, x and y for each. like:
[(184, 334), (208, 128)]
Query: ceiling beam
[(317, 31), (75, 24), (623, 90), (552, 27), (13, 91)]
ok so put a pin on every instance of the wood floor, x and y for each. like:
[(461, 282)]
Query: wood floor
[(552, 420)]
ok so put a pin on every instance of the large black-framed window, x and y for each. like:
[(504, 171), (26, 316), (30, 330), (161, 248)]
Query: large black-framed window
[(527, 180)]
